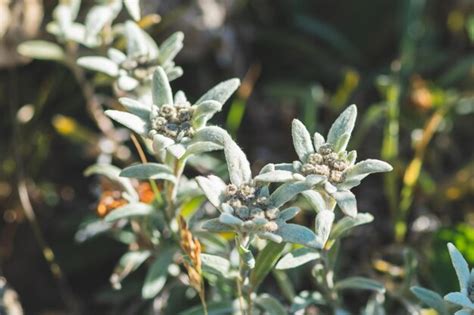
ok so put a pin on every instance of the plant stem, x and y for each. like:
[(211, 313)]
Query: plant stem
[(243, 286)]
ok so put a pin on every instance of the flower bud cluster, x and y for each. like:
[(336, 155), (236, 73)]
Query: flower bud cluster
[(140, 67), (325, 162), (172, 121), (247, 206)]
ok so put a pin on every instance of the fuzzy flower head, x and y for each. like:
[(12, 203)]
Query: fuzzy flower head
[(328, 160), (247, 207), (135, 69), (172, 124), (465, 296)]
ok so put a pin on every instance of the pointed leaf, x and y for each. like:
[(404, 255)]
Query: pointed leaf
[(270, 305), (286, 192), (297, 258), (162, 93), (237, 163), (431, 299), (113, 173), (149, 171), (460, 266), (266, 259), (135, 107), (133, 8), (315, 200), (323, 224), (344, 124), (277, 176), (301, 140), (130, 210), (40, 49), (348, 223), (171, 47), (156, 276), (459, 299), (215, 264), (100, 64), (215, 225), (346, 201), (130, 121), (294, 233), (318, 140), (360, 283), (220, 92), (213, 187)]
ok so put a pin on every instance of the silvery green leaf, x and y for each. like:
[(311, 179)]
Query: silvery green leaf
[(463, 312), (161, 142), (171, 47), (220, 92), (430, 298), (459, 299), (156, 275), (375, 305), (246, 255), (346, 201), (351, 157), (133, 8), (174, 73), (288, 214), (149, 171), (177, 150), (270, 304), (297, 258), (130, 210), (212, 134), (204, 111), (135, 107), (112, 172), (294, 233), (237, 163), (348, 223), (301, 140), (266, 259), (99, 16), (323, 224), (343, 124), (202, 147), (342, 142), (285, 166), (313, 180), (63, 15), (116, 55), (270, 236), (214, 225), (362, 169), (130, 121), (213, 187), (231, 220), (315, 200), (276, 176), (127, 83), (40, 49), (137, 43), (100, 64), (460, 266), (128, 263), (215, 264), (360, 283), (318, 140), (306, 298), (180, 97), (162, 93), (286, 192)]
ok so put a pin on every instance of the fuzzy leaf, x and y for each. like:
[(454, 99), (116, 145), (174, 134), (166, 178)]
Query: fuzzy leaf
[(162, 93), (161, 142), (318, 140), (149, 171), (127, 83), (362, 169), (204, 111), (237, 163), (286, 192), (177, 150), (213, 134), (294, 233), (135, 107), (213, 187), (113, 173), (297, 258), (220, 92), (201, 147), (156, 276), (460, 266), (130, 121), (348, 223), (430, 298), (137, 44), (315, 200), (342, 142), (215, 225), (266, 259), (344, 124), (270, 305), (276, 176), (360, 283), (227, 218), (459, 299), (301, 140), (215, 264), (40, 49), (127, 264), (323, 224), (100, 64), (99, 16), (346, 201), (171, 47), (288, 214), (133, 8), (130, 210)]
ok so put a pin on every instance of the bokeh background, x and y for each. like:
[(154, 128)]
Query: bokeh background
[(407, 64)]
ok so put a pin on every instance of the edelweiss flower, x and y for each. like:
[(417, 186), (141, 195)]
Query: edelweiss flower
[(329, 160), (247, 207), (465, 297), (136, 68), (175, 125)]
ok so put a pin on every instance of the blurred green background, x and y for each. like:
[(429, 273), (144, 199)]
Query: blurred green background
[(407, 64)]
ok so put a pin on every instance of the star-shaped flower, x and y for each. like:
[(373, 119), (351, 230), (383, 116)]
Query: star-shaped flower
[(465, 296), (173, 124), (135, 68), (328, 159), (247, 206)]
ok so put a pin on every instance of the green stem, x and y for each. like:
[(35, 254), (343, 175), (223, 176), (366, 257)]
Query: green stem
[(244, 286)]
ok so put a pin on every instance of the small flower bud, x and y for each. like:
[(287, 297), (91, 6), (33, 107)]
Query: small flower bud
[(330, 158), (257, 213), (129, 64), (184, 115), (158, 122), (322, 170), (247, 191), (272, 213), (315, 158), (167, 111), (336, 177), (325, 149), (140, 73), (271, 226), (171, 130), (308, 169), (339, 165), (230, 190)]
